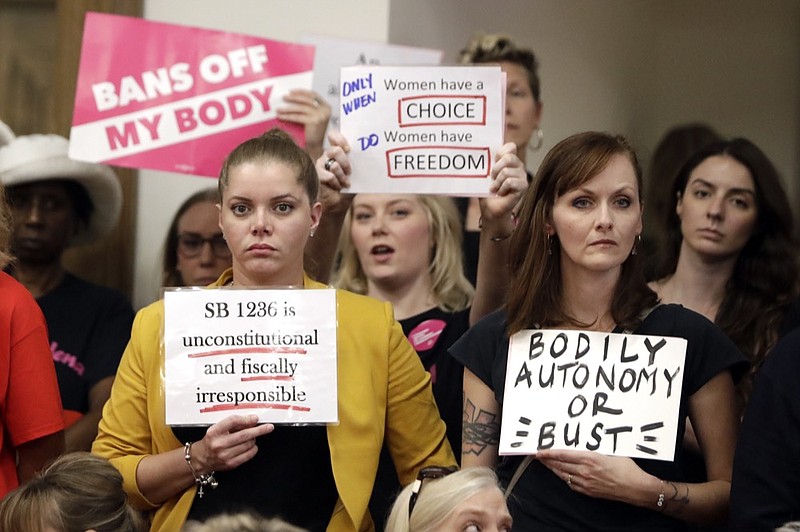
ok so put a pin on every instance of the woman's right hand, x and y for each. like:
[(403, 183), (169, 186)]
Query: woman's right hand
[(333, 169), (228, 443)]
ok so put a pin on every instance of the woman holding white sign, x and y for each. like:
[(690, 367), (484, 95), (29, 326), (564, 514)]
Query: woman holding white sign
[(318, 477), (406, 249), (522, 119), (574, 266)]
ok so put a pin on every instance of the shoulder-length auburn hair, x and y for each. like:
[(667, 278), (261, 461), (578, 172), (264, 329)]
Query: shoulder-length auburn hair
[(535, 296), (450, 287), (765, 277)]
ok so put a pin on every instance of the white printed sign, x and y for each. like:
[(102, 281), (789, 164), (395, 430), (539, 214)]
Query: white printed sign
[(617, 394), (333, 53), (422, 130), (237, 351)]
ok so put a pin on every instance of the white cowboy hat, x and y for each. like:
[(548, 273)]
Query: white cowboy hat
[(31, 158)]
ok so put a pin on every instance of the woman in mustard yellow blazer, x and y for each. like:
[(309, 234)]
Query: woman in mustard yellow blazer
[(319, 477)]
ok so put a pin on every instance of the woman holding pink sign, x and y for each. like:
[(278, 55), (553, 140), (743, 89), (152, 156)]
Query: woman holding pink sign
[(315, 476), (575, 265)]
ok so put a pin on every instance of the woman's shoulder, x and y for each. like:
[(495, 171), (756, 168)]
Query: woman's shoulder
[(676, 318)]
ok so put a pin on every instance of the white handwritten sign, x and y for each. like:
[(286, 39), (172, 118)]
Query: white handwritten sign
[(333, 53), (236, 351), (617, 394), (425, 130)]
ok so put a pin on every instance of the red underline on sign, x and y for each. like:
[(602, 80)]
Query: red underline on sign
[(252, 351), (268, 378), (248, 406)]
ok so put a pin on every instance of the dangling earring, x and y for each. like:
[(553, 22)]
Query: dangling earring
[(311, 233), (549, 244), (638, 241), (539, 136)]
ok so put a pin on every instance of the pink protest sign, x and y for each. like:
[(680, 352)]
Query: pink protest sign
[(178, 98)]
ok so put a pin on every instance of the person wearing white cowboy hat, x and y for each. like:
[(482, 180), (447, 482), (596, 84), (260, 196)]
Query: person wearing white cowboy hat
[(57, 202)]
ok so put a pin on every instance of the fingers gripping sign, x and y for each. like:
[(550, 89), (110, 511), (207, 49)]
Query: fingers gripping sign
[(229, 443)]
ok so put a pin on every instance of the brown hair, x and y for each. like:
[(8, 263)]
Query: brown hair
[(170, 275), (273, 146), (535, 288), (765, 278), (78, 491)]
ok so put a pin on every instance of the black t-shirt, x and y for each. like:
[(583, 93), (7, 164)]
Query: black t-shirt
[(542, 501), (431, 334), (289, 477), (88, 326), (765, 490)]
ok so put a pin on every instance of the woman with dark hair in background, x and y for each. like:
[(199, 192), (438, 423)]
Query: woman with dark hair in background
[(195, 252), (730, 253), (671, 153)]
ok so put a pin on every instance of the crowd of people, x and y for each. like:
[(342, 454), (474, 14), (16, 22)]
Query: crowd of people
[(429, 292)]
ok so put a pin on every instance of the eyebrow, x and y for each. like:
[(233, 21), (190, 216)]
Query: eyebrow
[(584, 190), (737, 190), (470, 512), (279, 197)]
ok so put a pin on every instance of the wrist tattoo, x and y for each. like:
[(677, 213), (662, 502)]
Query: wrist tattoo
[(678, 496)]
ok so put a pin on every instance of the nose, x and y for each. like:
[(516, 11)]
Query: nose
[(716, 209), (31, 212), (261, 223), (207, 254), (378, 225), (605, 220)]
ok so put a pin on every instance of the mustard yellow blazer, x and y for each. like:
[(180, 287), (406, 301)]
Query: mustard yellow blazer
[(384, 394)]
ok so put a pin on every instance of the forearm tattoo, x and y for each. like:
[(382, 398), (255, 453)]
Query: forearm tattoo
[(479, 429)]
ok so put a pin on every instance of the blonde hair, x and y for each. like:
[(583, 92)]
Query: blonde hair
[(449, 285), (437, 498), (241, 522), (78, 491)]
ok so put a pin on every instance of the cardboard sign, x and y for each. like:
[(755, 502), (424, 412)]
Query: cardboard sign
[(334, 53), (423, 130), (617, 394), (178, 98), (237, 351)]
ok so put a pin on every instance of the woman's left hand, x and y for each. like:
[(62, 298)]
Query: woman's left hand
[(509, 182), (310, 109), (594, 474)]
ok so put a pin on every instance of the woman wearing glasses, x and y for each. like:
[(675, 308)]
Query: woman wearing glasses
[(574, 265), (317, 477), (195, 252)]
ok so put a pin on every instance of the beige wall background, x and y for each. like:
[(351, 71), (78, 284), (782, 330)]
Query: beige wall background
[(635, 67)]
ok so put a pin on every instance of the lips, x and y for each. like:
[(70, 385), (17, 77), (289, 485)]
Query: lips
[(28, 243), (604, 243), (261, 250), (381, 250), (711, 234)]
